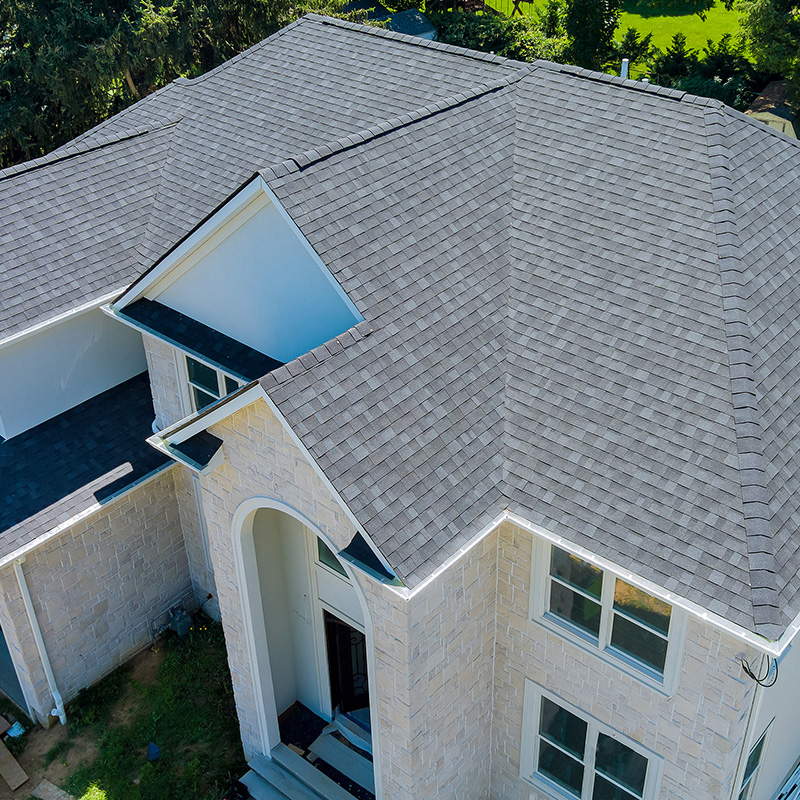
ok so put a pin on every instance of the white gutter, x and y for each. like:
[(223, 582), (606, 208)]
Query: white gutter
[(58, 711)]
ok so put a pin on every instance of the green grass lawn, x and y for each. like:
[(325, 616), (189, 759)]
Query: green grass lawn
[(186, 708), (662, 18), (663, 23)]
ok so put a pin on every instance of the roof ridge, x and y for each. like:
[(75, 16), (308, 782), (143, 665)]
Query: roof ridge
[(358, 332), (65, 152), (413, 40), (616, 80), (747, 421), (321, 152)]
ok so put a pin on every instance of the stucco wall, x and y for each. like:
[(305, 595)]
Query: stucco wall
[(698, 731), (95, 589)]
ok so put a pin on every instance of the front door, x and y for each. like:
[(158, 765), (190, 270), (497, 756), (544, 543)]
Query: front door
[(347, 668)]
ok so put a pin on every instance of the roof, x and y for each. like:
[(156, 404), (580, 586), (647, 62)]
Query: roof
[(588, 318), (775, 99), (85, 456)]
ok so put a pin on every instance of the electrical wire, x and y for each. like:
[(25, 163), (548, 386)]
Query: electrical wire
[(764, 680)]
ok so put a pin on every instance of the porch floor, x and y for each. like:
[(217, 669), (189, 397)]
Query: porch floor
[(301, 727)]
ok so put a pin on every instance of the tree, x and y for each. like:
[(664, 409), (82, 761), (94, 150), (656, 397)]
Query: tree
[(65, 65), (634, 47), (590, 26), (772, 35), (677, 62)]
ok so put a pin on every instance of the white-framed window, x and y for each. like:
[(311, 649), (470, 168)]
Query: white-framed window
[(205, 384), (326, 557), (751, 767), (573, 755), (598, 609)]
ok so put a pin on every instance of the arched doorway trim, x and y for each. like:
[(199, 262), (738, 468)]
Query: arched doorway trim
[(254, 626)]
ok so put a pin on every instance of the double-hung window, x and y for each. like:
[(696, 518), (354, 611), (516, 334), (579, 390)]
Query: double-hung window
[(604, 611), (579, 756), (206, 384)]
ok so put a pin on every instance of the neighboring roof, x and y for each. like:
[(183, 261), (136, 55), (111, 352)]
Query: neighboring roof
[(775, 107), (579, 295), (230, 355), (68, 464)]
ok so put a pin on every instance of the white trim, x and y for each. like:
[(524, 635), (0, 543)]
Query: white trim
[(753, 639), (253, 623), (601, 646), (532, 702), (44, 538), (91, 305), (236, 204)]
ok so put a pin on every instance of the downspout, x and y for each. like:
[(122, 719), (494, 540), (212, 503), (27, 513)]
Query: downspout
[(58, 711)]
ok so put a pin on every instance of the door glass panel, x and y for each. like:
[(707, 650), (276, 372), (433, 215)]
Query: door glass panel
[(639, 642), (202, 376), (575, 607), (642, 606), (580, 574), (623, 765)]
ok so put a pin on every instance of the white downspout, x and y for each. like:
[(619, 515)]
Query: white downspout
[(58, 711)]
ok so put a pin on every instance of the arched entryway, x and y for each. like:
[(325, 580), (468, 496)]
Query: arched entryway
[(307, 623)]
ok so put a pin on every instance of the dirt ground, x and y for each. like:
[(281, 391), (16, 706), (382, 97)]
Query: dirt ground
[(143, 669)]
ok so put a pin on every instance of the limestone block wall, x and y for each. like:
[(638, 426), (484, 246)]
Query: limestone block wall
[(433, 653), (698, 731), (164, 381), (95, 589)]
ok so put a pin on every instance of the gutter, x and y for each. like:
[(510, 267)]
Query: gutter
[(58, 710)]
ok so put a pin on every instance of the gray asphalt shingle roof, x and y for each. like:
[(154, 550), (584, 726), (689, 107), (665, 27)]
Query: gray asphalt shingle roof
[(580, 299)]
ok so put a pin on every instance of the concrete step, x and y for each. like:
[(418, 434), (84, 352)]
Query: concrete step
[(345, 759), (259, 789), (308, 774), (281, 779), (351, 731)]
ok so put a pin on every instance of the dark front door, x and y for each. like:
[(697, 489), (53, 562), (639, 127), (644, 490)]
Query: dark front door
[(347, 665)]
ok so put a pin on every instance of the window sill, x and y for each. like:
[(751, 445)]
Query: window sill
[(664, 685), (548, 787)]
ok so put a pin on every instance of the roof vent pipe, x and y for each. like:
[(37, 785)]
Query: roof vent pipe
[(58, 711), (623, 73)]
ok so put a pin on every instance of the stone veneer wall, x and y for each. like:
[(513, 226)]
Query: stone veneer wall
[(164, 381), (95, 589), (699, 731), (432, 668)]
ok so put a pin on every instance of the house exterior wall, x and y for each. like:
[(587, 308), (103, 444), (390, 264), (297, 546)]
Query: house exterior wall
[(165, 383), (95, 588), (48, 372), (698, 732)]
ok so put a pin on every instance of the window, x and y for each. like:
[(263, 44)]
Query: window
[(325, 556), (581, 757), (751, 768), (207, 385), (603, 611)]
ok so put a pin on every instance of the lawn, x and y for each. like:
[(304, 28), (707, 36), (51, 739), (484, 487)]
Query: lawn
[(179, 698), (662, 18)]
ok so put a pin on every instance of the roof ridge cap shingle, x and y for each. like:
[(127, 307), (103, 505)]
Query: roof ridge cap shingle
[(615, 80), (309, 157), (414, 40), (67, 152), (752, 471), (318, 355)]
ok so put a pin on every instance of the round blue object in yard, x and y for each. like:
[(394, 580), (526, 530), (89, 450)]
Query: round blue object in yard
[(153, 752)]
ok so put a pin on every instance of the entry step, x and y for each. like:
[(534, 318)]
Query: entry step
[(288, 776)]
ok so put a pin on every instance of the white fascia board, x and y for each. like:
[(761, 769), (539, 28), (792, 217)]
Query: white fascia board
[(771, 648), (95, 507), (91, 305), (250, 193)]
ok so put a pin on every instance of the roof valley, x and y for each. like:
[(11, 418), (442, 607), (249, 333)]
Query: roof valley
[(756, 495)]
